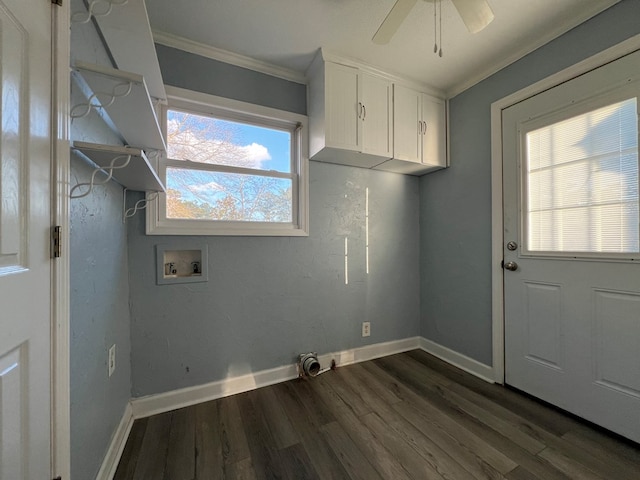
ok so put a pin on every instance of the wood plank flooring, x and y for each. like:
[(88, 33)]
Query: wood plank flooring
[(406, 416)]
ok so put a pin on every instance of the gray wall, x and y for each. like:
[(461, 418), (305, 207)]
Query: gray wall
[(455, 204), (225, 80), (99, 290), (270, 298)]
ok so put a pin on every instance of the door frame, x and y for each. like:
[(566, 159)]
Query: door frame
[(497, 228), (60, 286)]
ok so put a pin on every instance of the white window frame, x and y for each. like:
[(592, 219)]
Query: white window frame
[(157, 222)]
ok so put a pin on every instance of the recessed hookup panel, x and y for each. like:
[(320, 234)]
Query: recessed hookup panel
[(181, 265)]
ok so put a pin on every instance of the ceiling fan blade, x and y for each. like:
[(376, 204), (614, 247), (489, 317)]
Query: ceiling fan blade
[(393, 21), (476, 14)]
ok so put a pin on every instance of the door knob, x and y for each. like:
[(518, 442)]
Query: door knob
[(513, 266)]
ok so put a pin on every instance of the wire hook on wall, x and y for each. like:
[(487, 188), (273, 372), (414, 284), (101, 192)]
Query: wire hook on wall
[(82, 17), (108, 170)]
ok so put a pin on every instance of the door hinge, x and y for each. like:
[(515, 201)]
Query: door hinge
[(56, 242), (59, 3)]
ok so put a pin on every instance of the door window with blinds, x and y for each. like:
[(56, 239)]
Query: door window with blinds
[(580, 180)]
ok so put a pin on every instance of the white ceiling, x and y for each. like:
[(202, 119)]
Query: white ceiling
[(287, 33)]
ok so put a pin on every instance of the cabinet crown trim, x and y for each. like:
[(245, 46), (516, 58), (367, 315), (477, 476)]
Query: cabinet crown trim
[(324, 55)]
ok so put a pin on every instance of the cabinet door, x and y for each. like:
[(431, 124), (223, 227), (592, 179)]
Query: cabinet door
[(435, 137), (341, 97), (407, 114), (375, 96)]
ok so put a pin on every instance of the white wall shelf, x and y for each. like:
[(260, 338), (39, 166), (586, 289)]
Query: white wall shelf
[(138, 174), (128, 35), (131, 112)]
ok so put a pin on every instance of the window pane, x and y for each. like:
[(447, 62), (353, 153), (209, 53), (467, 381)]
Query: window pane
[(203, 195), (582, 179), (212, 140)]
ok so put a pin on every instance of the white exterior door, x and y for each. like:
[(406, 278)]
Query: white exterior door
[(572, 277), (25, 284)]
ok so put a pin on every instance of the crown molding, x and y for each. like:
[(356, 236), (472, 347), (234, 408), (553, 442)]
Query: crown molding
[(186, 45), (580, 17)]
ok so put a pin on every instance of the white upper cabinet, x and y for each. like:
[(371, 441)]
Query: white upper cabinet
[(407, 124), (342, 124), (434, 143), (349, 115), (419, 129), (375, 115), (363, 117)]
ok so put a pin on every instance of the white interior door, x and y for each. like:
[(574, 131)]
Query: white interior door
[(572, 277), (25, 285)]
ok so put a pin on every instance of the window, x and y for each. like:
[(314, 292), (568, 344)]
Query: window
[(582, 182), (231, 168)]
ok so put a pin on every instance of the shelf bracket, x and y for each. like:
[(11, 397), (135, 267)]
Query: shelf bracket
[(138, 206), (111, 97), (107, 170), (97, 8)]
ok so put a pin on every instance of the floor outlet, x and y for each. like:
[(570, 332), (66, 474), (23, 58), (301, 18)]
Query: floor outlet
[(366, 329), (112, 359)]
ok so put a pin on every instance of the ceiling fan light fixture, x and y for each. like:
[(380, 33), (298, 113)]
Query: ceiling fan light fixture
[(476, 14)]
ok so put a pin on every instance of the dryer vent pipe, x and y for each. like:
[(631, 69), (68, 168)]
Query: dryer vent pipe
[(309, 364)]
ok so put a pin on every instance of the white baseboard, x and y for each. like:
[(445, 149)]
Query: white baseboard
[(369, 352), (459, 360), (118, 441), (167, 401), (184, 397), (163, 402)]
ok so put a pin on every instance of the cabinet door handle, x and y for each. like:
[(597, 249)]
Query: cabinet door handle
[(360, 106), (364, 112), (425, 128), (419, 127)]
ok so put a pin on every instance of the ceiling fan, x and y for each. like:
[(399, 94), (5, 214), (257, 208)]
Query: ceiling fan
[(476, 14)]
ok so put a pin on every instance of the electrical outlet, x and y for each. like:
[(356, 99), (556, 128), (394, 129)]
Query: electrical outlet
[(112, 359), (366, 329)]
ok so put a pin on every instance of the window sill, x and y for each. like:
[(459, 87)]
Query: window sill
[(195, 227)]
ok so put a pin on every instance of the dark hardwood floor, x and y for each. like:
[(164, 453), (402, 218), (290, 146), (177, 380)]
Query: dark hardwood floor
[(406, 416)]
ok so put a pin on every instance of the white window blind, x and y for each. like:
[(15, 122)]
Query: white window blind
[(582, 183)]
